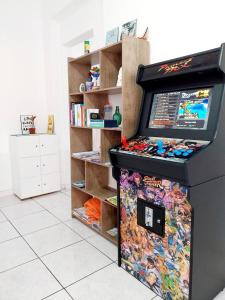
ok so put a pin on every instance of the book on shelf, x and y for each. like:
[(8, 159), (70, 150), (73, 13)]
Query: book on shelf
[(85, 154), (91, 156), (97, 123)]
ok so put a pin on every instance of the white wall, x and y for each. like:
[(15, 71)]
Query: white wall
[(22, 70)]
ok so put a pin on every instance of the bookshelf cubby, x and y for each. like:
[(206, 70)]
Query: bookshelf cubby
[(128, 54)]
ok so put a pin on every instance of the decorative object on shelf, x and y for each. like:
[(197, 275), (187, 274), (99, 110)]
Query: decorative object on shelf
[(50, 124), (89, 111), (95, 74), (129, 29), (32, 129), (82, 87), (113, 232), (27, 121), (86, 47), (112, 200), (119, 78), (112, 36), (110, 123), (117, 116), (145, 36), (89, 83), (94, 116), (108, 112)]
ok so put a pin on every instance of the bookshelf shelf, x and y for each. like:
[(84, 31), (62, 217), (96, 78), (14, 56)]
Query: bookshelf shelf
[(105, 128), (105, 91), (106, 165), (127, 54)]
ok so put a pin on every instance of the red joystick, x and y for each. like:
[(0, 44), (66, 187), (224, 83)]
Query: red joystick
[(124, 142)]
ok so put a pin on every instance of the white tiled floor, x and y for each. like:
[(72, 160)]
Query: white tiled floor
[(44, 254)]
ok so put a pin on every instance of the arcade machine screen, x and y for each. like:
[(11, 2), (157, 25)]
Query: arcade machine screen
[(188, 109)]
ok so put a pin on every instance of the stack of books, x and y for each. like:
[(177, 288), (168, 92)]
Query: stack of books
[(80, 114)]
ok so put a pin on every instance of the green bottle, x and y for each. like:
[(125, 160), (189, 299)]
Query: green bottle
[(117, 116)]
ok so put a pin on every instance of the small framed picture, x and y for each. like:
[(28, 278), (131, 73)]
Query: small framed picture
[(26, 122), (112, 36), (129, 29)]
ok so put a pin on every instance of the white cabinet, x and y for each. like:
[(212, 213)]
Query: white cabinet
[(35, 164)]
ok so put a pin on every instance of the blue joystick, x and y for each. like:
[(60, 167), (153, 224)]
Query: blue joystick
[(160, 145)]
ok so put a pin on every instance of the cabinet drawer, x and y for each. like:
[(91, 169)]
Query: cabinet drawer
[(28, 146), (30, 187), (48, 144), (49, 164), (50, 183), (29, 167)]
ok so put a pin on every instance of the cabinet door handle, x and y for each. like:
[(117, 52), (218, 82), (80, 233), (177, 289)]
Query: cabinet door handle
[(44, 183), (42, 145), (36, 146), (43, 165), (39, 185), (37, 166)]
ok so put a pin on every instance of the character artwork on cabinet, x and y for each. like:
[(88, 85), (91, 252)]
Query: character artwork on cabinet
[(160, 262)]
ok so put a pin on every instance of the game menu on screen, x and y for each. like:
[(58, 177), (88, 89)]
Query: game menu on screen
[(181, 109)]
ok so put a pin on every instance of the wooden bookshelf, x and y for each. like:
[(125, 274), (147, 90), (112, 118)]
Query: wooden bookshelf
[(128, 53)]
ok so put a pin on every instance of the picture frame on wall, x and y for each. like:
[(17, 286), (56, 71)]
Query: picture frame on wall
[(129, 29), (112, 36), (26, 122)]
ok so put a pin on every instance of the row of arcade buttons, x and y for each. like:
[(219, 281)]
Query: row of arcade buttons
[(179, 152)]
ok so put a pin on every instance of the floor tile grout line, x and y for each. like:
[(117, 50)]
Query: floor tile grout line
[(63, 222), (46, 298), (61, 248), (89, 275), (35, 230), (32, 213), (53, 294), (85, 239), (37, 257), (15, 237), (10, 269)]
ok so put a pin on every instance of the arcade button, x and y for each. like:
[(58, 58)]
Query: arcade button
[(177, 152), (190, 151), (170, 154), (186, 154), (160, 151)]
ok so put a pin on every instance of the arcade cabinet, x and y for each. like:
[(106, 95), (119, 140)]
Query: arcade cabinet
[(171, 179)]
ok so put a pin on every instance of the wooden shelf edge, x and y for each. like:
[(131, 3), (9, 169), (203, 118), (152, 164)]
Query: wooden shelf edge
[(94, 194), (107, 91), (92, 162), (85, 56), (103, 128)]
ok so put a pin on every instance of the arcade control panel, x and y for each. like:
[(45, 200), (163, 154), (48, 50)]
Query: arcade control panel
[(171, 149)]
